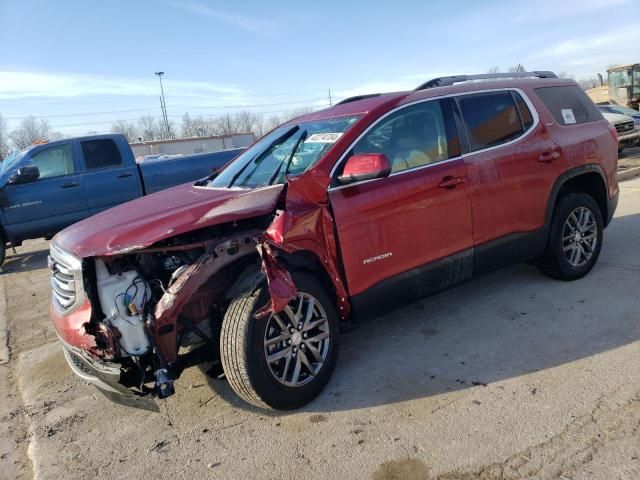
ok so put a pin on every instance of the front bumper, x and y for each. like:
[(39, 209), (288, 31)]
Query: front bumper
[(629, 139), (106, 377)]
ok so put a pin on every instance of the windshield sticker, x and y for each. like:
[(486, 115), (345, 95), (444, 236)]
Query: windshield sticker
[(567, 115), (323, 138)]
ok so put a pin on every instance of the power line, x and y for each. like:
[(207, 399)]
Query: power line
[(89, 114), (86, 114), (255, 105), (160, 117)]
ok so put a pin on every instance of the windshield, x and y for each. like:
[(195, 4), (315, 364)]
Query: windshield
[(288, 150), (13, 159)]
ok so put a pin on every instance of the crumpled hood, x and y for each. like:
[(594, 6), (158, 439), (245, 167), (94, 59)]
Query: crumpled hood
[(147, 220)]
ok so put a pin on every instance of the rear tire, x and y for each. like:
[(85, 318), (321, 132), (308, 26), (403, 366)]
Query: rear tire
[(575, 238), (3, 250), (269, 361)]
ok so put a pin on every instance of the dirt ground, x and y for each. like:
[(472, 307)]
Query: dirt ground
[(510, 376)]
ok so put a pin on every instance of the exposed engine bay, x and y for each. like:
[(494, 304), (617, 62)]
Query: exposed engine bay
[(134, 308), (157, 310)]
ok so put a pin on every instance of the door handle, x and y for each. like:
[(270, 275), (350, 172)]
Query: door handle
[(548, 156), (69, 185), (450, 182), (124, 175)]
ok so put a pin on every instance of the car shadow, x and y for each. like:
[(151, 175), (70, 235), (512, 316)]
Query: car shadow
[(507, 324), (25, 261)]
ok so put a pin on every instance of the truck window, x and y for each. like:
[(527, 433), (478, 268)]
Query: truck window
[(569, 104), (412, 137), (54, 161), (491, 118), (101, 154)]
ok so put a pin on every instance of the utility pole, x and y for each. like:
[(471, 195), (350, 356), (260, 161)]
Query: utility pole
[(330, 102), (163, 106)]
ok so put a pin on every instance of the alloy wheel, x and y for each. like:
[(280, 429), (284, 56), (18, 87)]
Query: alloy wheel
[(579, 236), (297, 341)]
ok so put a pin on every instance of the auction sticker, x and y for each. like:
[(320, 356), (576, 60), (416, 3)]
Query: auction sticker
[(323, 138), (567, 115)]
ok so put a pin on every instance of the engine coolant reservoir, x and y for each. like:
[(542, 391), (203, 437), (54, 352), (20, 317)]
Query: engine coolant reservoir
[(116, 293)]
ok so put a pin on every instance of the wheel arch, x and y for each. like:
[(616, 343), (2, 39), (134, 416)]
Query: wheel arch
[(589, 179), (308, 261)]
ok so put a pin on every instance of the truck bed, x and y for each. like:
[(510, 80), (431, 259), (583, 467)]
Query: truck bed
[(161, 174)]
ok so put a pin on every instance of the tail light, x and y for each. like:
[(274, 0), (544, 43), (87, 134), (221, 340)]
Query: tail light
[(612, 129)]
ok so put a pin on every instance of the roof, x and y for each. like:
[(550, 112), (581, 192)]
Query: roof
[(619, 67), (370, 103)]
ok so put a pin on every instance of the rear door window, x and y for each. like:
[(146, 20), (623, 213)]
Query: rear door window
[(569, 105), (491, 118), (102, 153)]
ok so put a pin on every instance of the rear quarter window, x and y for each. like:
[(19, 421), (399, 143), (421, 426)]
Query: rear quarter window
[(569, 105)]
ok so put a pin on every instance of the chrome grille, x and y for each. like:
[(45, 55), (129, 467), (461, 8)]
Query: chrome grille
[(66, 280), (624, 127)]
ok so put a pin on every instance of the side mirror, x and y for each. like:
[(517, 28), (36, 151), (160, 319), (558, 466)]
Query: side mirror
[(25, 174), (365, 166)]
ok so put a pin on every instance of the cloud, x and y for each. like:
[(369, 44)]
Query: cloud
[(401, 83), (251, 24), (588, 54), (16, 85)]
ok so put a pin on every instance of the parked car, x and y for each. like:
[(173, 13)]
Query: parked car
[(628, 133), (630, 112), (330, 219), (49, 186)]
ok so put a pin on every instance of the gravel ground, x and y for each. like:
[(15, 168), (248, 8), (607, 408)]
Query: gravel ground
[(509, 376)]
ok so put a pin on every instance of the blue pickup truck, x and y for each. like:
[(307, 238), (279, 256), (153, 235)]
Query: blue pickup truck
[(47, 187)]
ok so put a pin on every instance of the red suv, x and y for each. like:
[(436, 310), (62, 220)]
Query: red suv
[(329, 219)]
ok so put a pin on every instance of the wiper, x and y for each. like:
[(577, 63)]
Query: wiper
[(281, 138), (301, 139)]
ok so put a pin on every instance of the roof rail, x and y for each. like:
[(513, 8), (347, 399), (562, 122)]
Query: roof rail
[(447, 81), (357, 97)]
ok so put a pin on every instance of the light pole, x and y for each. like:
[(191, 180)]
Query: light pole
[(163, 105)]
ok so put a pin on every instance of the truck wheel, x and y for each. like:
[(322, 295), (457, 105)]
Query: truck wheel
[(3, 250), (285, 360), (575, 238)]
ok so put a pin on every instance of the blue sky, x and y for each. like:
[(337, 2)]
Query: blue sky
[(84, 64)]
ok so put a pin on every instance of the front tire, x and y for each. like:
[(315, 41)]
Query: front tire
[(282, 361), (575, 238)]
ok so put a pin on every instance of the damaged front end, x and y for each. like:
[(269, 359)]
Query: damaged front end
[(135, 307), (131, 322)]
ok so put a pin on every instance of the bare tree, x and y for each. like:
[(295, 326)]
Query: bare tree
[(225, 125), (187, 126), (168, 131), (272, 122), (260, 125), (4, 139), (31, 130), (587, 83), (149, 128), (297, 112), (245, 121), (126, 128), (517, 69), (494, 70)]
